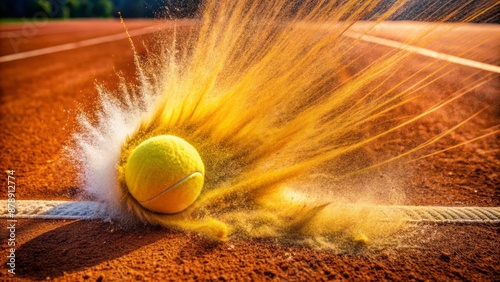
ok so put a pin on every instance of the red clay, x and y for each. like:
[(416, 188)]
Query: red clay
[(41, 97), (33, 35)]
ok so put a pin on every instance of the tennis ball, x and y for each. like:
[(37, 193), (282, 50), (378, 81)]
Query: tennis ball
[(164, 174)]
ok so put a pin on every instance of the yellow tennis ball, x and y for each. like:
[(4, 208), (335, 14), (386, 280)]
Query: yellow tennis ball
[(164, 174)]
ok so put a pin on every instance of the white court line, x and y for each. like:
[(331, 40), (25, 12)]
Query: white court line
[(78, 44), (19, 33), (350, 34), (422, 51), (43, 209)]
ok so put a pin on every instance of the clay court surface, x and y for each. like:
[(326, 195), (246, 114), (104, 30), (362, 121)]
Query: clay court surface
[(42, 95)]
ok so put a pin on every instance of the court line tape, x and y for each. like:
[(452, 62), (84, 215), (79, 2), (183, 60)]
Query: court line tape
[(41, 209), (75, 45), (408, 47), (349, 34), (422, 51), (54, 209), (83, 43)]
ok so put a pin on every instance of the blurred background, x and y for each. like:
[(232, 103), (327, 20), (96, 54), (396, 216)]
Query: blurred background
[(67, 9), (417, 10)]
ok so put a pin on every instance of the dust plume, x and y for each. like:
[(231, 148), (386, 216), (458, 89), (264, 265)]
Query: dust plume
[(287, 114)]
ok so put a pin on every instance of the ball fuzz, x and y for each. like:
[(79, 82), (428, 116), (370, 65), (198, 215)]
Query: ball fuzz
[(164, 174)]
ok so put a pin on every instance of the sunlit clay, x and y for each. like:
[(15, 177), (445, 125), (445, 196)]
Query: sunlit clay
[(286, 114)]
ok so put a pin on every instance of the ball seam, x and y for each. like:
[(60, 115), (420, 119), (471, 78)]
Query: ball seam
[(171, 187)]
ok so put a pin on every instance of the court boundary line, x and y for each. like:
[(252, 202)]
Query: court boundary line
[(350, 34), (82, 43), (88, 210), (422, 51)]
